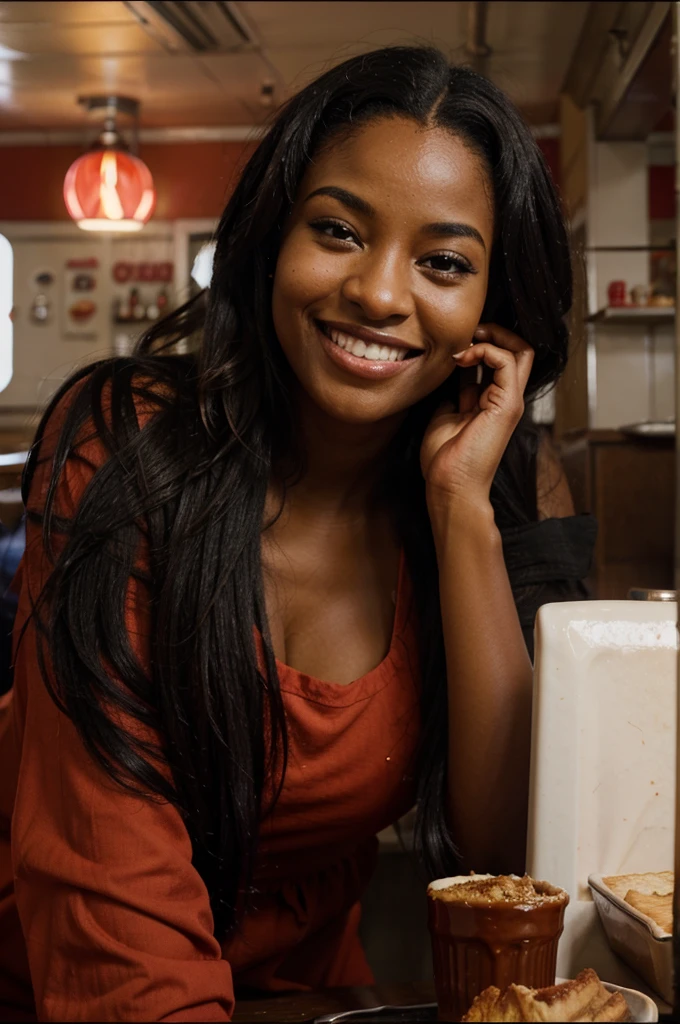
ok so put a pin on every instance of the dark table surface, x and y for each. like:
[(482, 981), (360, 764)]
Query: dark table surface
[(305, 1006)]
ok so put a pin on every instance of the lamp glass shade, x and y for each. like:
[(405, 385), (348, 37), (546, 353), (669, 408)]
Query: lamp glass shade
[(109, 190)]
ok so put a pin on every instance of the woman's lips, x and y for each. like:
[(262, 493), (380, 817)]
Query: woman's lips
[(358, 365)]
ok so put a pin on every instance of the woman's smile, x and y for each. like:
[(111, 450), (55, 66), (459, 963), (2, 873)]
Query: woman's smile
[(365, 352)]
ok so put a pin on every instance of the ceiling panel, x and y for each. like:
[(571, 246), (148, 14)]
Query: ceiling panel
[(50, 53), (82, 13), (299, 24), (106, 37), (532, 43), (173, 89)]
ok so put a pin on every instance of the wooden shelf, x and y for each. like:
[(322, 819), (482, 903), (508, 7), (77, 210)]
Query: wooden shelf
[(135, 323), (645, 316)]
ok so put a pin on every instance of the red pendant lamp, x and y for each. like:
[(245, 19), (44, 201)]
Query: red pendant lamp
[(109, 188)]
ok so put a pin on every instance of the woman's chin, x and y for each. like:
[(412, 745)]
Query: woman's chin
[(360, 410)]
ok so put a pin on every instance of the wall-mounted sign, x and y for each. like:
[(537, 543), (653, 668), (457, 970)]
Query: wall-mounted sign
[(125, 272), (80, 306)]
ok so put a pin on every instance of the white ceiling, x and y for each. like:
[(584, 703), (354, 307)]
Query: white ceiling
[(50, 53)]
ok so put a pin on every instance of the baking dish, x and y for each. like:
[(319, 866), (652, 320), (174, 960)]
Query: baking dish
[(636, 938)]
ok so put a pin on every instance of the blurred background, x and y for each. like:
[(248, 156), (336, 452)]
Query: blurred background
[(124, 125)]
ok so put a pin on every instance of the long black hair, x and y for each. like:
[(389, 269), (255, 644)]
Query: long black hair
[(179, 502)]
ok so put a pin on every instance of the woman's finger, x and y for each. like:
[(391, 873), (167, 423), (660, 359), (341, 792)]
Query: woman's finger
[(502, 362), (506, 385), (507, 339)]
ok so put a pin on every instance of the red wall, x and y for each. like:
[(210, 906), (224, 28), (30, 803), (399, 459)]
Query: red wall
[(195, 179), (192, 180)]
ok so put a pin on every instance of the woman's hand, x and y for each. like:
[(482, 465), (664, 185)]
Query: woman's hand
[(461, 450)]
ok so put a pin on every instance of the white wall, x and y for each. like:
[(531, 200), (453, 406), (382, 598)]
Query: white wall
[(617, 215), (634, 364)]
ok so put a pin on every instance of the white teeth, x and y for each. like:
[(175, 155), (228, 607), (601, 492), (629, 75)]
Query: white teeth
[(375, 353)]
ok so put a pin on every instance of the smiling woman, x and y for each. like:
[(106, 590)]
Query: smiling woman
[(279, 590)]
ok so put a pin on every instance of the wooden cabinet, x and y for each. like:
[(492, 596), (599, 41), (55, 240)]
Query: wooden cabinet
[(629, 485)]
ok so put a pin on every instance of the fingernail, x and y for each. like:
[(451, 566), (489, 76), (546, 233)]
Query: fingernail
[(481, 332), (458, 355)]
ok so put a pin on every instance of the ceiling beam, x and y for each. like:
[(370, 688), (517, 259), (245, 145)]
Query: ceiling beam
[(590, 51), (148, 136), (622, 66), (641, 93)]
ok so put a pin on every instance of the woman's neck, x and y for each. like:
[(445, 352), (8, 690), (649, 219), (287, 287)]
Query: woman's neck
[(343, 462)]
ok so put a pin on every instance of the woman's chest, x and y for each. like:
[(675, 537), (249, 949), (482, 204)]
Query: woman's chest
[(331, 602)]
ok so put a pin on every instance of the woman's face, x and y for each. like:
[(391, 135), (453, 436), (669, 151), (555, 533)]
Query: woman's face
[(383, 268)]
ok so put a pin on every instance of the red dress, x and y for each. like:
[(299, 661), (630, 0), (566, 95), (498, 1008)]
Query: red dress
[(116, 920)]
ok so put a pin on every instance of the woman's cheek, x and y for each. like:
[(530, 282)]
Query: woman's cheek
[(455, 324), (304, 274)]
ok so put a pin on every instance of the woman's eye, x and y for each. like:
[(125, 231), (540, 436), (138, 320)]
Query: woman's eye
[(335, 230), (445, 263)]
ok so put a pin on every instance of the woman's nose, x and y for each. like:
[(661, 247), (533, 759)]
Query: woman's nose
[(380, 287)]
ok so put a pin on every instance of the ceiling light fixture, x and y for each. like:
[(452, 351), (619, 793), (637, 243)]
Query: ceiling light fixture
[(109, 188)]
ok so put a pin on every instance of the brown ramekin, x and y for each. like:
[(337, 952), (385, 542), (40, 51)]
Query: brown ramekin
[(475, 945)]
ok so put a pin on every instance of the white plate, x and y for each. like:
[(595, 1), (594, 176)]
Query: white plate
[(602, 795), (641, 1007)]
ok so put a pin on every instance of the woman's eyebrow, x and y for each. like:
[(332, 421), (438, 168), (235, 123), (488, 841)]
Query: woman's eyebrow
[(454, 229), (348, 199)]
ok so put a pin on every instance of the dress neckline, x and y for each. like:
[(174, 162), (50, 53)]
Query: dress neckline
[(321, 691)]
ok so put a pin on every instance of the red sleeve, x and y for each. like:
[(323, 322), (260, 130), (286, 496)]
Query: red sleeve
[(117, 920)]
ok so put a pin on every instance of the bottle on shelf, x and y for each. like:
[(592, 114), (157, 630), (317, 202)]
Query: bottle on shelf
[(121, 310), (162, 301), (136, 305)]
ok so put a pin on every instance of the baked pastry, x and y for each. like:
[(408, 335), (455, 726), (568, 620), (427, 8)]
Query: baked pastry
[(651, 881), (485, 890), (651, 893), (658, 906), (583, 999)]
